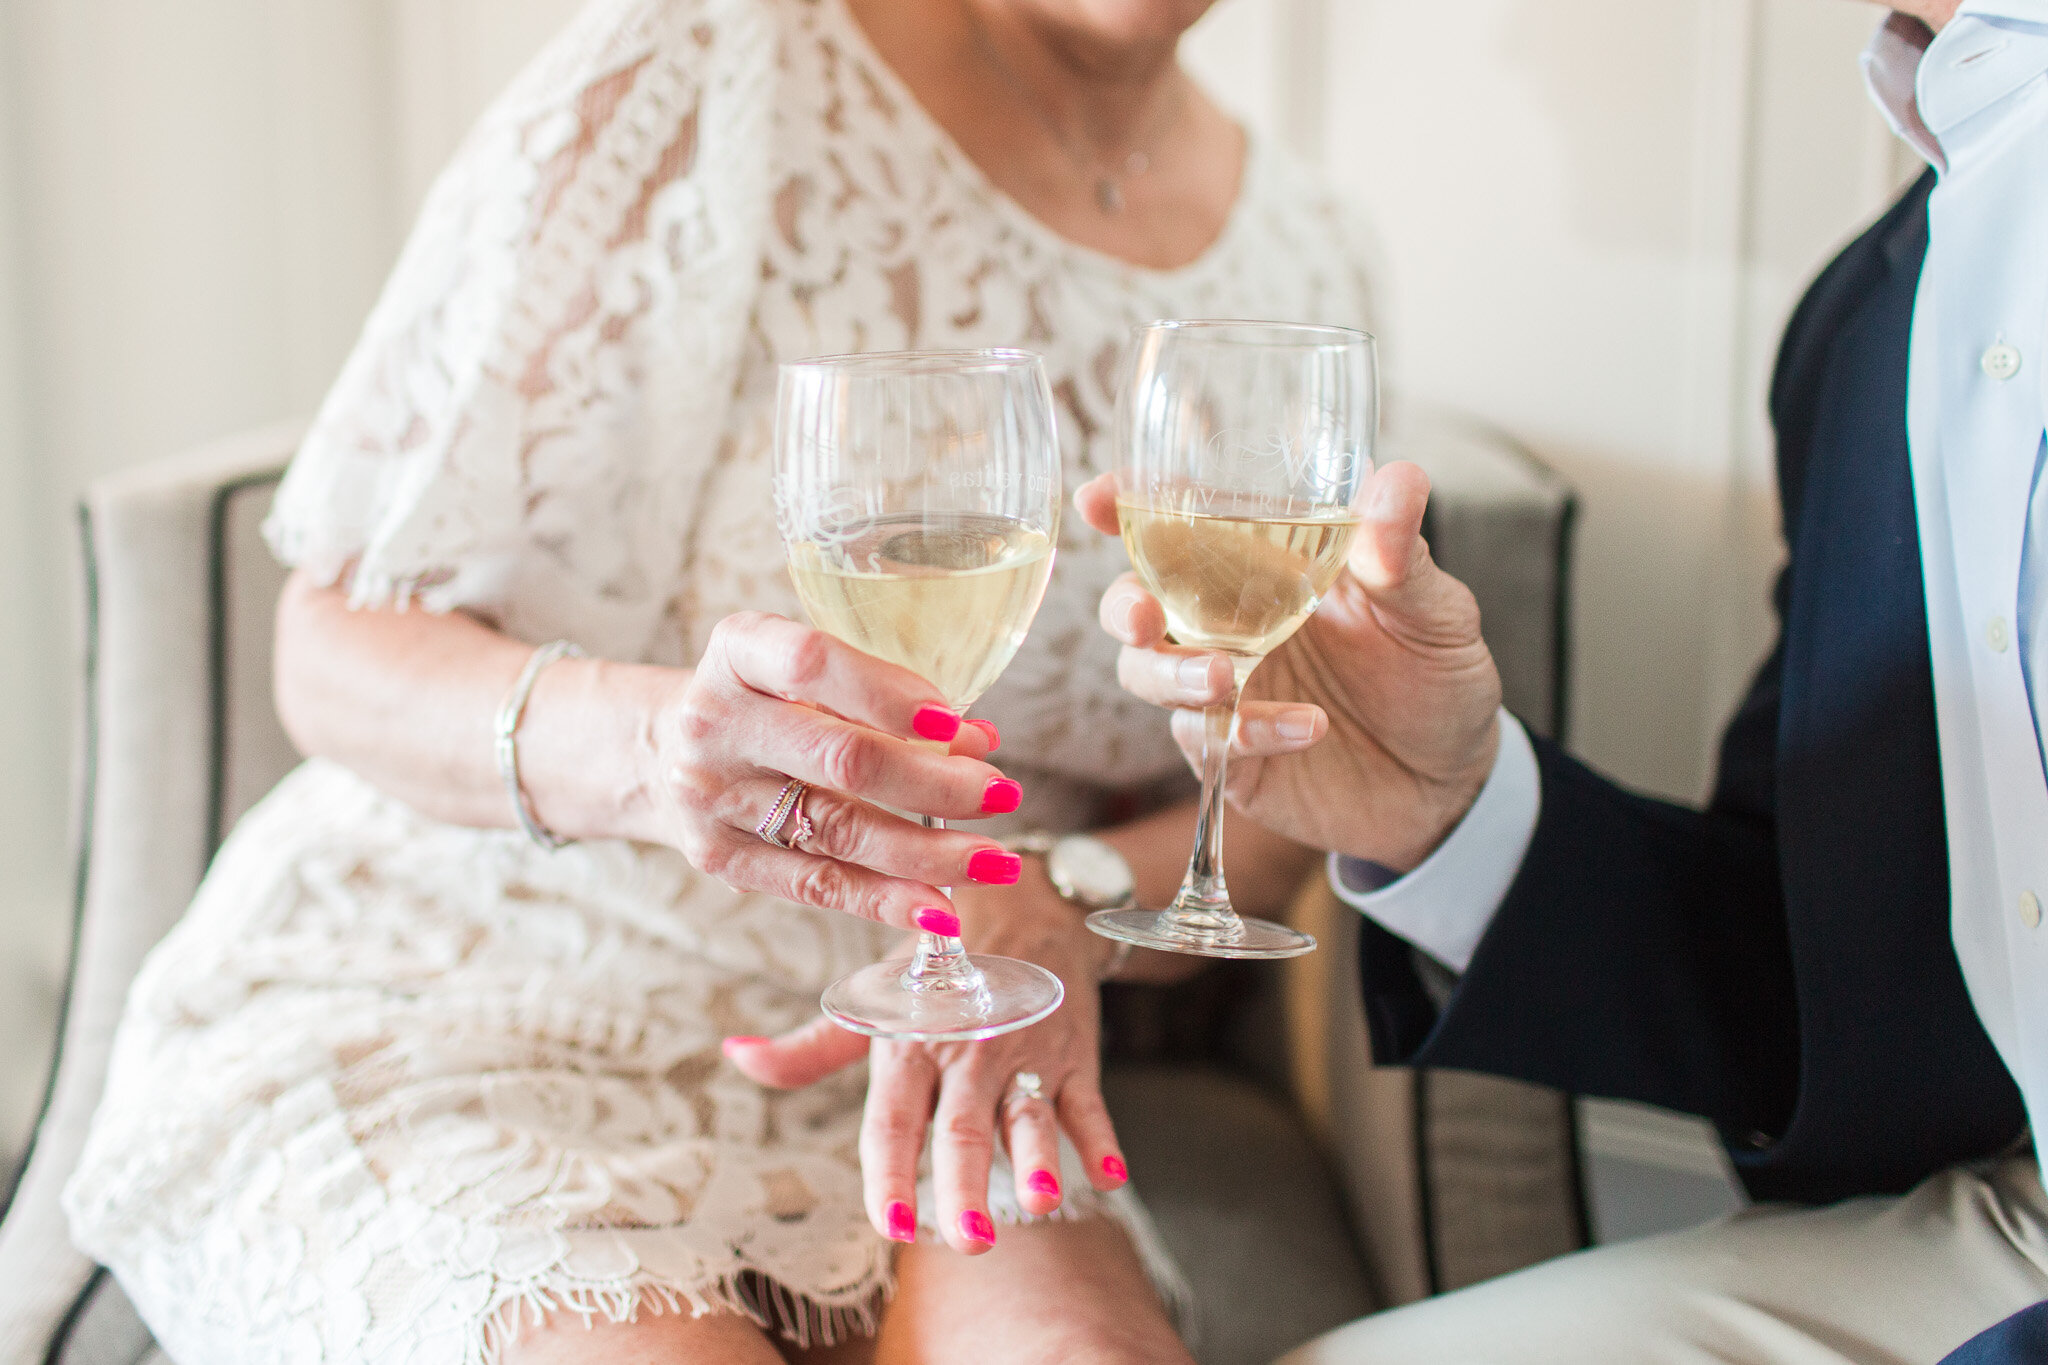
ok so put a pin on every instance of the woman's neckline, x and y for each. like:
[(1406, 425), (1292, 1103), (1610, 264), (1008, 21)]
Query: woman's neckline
[(899, 90)]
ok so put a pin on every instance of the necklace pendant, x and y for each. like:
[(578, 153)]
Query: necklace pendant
[(1109, 196)]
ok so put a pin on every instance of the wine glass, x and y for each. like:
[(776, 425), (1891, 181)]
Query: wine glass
[(1244, 445), (918, 494)]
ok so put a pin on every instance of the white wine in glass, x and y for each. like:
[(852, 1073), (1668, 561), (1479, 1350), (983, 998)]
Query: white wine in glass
[(1235, 582), (1244, 447), (950, 600), (918, 495)]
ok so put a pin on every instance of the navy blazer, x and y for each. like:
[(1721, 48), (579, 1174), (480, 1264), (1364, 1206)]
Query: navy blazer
[(1780, 963)]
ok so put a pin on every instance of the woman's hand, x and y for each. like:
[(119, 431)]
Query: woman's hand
[(774, 700), (1372, 730), (964, 1094)]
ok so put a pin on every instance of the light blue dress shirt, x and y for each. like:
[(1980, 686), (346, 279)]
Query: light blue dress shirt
[(1974, 103)]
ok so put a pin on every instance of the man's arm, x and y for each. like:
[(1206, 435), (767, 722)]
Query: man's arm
[(1641, 949), (2021, 1339), (1444, 906)]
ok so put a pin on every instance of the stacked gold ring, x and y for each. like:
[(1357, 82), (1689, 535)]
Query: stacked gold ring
[(790, 802)]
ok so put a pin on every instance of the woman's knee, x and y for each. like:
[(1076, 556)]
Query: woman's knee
[(650, 1339), (1053, 1291)]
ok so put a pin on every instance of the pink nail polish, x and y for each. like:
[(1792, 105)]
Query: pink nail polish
[(975, 1227), (936, 921), (1002, 797), (902, 1222), (988, 727), (732, 1046), (1114, 1168), (994, 867), (935, 723), (1043, 1183)]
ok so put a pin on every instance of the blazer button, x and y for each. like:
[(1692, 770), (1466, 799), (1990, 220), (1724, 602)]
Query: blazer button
[(1997, 634), (2001, 361), (2030, 910)]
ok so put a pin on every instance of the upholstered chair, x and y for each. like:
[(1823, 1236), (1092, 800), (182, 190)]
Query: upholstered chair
[(1299, 1185)]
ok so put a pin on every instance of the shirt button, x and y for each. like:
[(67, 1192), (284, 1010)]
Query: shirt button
[(2030, 910), (1997, 635), (2001, 361)]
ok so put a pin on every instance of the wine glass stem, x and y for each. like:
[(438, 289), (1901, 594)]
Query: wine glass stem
[(941, 963), (1203, 905)]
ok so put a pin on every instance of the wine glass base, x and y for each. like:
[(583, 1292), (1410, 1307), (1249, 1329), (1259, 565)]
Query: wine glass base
[(878, 1001), (1255, 939)]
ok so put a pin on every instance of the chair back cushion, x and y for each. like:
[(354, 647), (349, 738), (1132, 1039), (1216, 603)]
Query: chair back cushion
[(252, 753), (179, 738), (1452, 1178)]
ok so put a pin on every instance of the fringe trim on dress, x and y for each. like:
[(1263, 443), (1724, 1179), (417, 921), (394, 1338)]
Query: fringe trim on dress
[(800, 1319), (750, 1294)]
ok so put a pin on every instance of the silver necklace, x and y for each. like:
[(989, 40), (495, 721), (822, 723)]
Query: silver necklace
[(1109, 179)]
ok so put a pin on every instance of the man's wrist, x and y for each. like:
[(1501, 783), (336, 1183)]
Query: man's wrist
[(1444, 904), (1461, 794)]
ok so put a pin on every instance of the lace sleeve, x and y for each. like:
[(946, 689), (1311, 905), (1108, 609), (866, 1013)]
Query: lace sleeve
[(537, 395)]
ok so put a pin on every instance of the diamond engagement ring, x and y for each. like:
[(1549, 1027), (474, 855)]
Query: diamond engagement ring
[(1027, 1086), (790, 803)]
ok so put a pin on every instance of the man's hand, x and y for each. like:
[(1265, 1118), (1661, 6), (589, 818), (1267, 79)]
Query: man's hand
[(1371, 732)]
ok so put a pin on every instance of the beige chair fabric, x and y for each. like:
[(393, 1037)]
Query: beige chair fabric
[(1445, 1179), (1452, 1178), (148, 817), (1498, 1162)]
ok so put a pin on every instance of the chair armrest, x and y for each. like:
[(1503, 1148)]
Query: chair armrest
[(1451, 1178), (1365, 1117), (149, 762), (1501, 521)]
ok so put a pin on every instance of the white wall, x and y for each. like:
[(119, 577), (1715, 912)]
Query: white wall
[(31, 792), (1594, 214), (197, 204)]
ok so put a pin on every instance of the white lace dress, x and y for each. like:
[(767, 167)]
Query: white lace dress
[(394, 1086)]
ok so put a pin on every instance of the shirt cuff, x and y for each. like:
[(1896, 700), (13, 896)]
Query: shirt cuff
[(1444, 906)]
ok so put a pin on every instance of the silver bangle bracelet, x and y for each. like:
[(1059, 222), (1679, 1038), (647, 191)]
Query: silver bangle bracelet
[(510, 712)]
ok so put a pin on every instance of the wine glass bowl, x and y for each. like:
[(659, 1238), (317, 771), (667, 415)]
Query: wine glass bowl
[(918, 495), (1243, 448)]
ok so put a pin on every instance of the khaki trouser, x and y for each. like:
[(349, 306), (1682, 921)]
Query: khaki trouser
[(1879, 1281)]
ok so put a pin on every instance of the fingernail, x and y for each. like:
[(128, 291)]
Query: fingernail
[(1002, 797), (975, 1227), (988, 727), (936, 921), (1295, 725), (1043, 1183), (1193, 676), (994, 867), (1129, 629), (1381, 501), (935, 723), (732, 1046), (902, 1222), (1114, 1168)]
